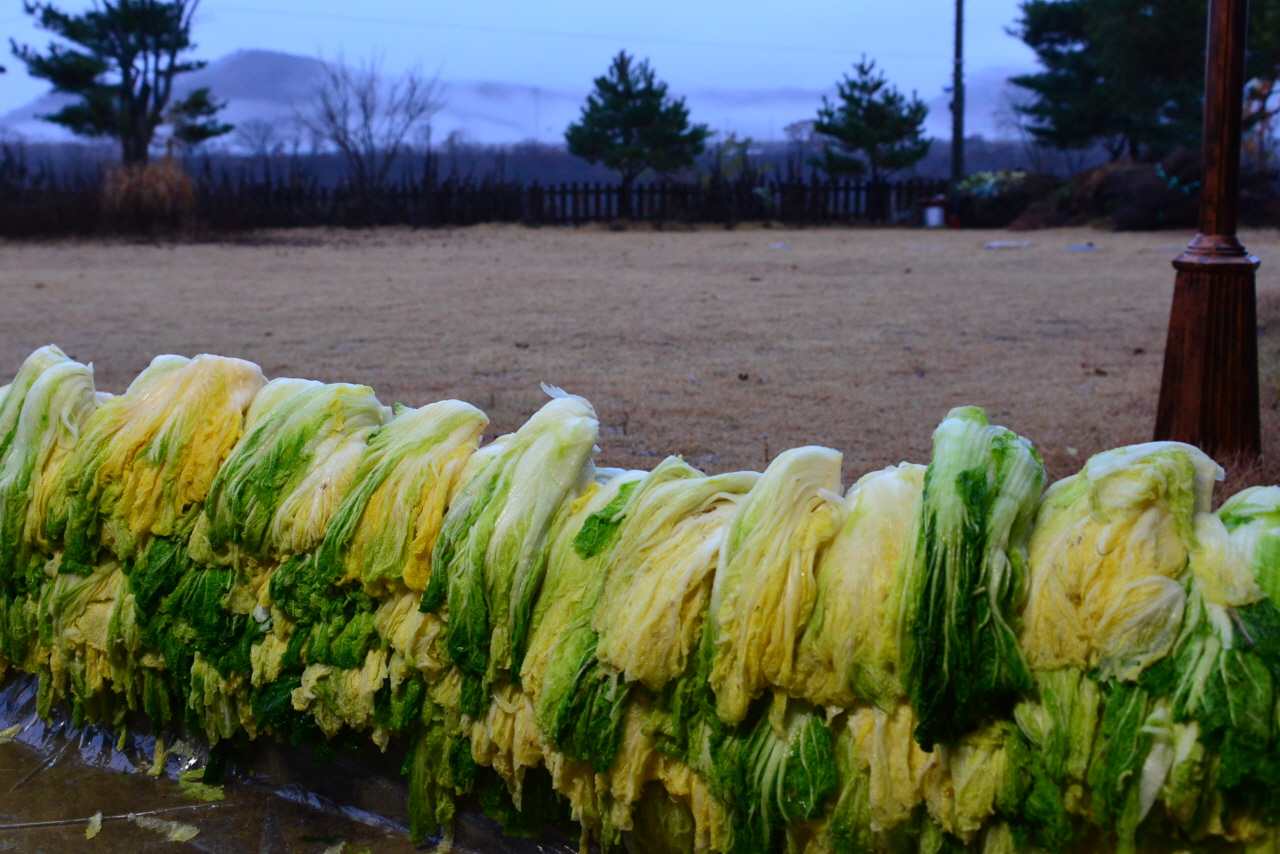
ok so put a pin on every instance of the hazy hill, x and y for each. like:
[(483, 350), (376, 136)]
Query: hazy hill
[(268, 85)]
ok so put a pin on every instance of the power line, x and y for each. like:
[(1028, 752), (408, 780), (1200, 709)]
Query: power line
[(516, 31)]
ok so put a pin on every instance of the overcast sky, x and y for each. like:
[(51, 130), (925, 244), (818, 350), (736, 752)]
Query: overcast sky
[(701, 45)]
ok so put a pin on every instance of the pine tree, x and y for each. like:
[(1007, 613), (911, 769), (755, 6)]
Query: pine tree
[(122, 66), (630, 125), (872, 128), (1128, 74)]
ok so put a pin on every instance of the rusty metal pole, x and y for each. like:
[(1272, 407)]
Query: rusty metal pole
[(1209, 391)]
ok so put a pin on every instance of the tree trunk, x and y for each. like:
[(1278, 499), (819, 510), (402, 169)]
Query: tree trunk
[(133, 150)]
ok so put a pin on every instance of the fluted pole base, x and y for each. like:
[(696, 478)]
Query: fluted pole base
[(1209, 390)]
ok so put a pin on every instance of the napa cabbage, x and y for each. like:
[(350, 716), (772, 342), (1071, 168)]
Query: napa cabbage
[(14, 395), (75, 618), (1108, 559), (560, 672), (283, 482), (1252, 519), (58, 405), (491, 554), (146, 460), (965, 581), (386, 526), (848, 651), (764, 587), (658, 580), (768, 775)]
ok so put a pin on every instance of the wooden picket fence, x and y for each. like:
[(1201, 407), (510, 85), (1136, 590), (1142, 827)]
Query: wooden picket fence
[(226, 204), (42, 203)]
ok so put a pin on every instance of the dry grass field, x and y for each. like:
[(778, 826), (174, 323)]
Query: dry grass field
[(724, 346)]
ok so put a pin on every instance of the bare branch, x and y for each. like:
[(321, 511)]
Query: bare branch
[(367, 116)]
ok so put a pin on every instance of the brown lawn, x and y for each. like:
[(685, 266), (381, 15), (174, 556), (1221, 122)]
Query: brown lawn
[(724, 346)]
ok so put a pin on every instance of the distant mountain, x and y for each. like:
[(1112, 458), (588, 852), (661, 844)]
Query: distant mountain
[(268, 85)]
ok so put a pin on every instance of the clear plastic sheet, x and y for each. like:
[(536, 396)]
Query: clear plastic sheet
[(54, 775)]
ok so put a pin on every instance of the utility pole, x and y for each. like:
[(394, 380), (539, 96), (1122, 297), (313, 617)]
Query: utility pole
[(957, 111), (1209, 391)]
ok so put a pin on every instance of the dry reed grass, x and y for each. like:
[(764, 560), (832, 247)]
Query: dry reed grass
[(149, 198)]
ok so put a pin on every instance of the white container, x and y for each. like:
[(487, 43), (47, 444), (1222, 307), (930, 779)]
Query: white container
[(935, 216)]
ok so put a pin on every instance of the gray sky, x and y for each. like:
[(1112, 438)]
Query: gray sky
[(711, 45)]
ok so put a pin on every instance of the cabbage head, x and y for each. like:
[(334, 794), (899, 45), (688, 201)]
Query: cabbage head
[(58, 405), (491, 554), (147, 459), (1252, 519), (303, 444), (659, 577), (764, 588), (966, 579), (14, 395), (1109, 556), (577, 705), (385, 528), (848, 651)]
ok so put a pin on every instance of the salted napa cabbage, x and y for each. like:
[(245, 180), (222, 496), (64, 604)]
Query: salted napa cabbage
[(1108, 556), (885, 766), (764, 587), (963, 782), (848, 650), (411, 633), (1221, 569), (284, 480), (491, 554), (560, 666), (75, 618), (342, 696), (387, 525), (146, 460), (57, 407), (1252, 518), (769, 776), (965, 579), (14, 395), (659, 579), (1060, 720)]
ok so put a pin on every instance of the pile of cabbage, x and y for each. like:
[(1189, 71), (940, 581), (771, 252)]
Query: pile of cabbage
[(940, 658)]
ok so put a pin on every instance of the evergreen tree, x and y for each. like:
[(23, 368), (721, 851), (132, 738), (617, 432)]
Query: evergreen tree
[(1128, 74), (872, 128), (630, 125), (124, 58)]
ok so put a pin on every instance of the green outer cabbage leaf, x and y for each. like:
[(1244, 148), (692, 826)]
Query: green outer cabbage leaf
[(966, 580), (282, 483), (491, 554), (385, 527)]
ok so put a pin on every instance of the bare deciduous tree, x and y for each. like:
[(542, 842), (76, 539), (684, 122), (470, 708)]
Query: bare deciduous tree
[(262, 139), (369, 116)]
